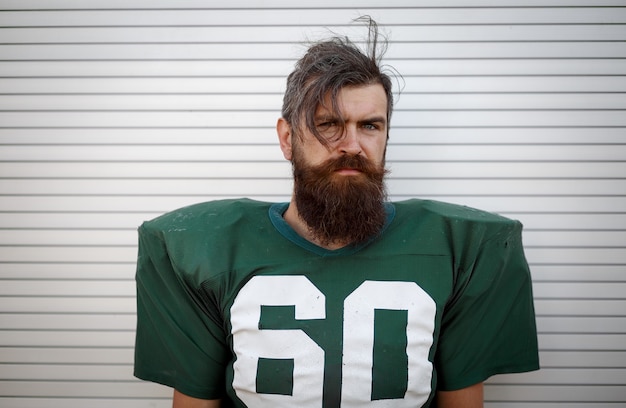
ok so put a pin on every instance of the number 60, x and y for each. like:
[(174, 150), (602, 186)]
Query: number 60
[(251, 343)]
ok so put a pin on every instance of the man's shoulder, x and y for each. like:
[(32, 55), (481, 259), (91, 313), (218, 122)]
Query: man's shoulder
[(449, 212), (213, 213)]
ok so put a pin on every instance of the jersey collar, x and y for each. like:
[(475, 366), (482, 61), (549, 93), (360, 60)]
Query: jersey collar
[(277, 211)]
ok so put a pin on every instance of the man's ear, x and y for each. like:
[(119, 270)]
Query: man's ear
[(283, 129)]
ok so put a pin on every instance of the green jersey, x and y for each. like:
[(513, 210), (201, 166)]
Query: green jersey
[(233, 304)]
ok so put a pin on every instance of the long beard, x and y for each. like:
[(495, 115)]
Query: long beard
[(345, 209)]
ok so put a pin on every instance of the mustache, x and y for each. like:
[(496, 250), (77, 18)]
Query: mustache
[(356, 162)]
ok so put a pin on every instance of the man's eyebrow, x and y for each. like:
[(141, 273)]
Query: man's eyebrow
[(332, 118), (325, 117), (375, 119)]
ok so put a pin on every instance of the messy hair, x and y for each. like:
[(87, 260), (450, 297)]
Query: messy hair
[(325, 69)]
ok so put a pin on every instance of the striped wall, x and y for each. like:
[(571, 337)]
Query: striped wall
[(114, 111)]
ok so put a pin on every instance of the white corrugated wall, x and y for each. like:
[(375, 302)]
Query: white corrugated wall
[(114, 111)]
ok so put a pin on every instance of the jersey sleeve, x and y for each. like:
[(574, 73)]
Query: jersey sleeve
[(178, 343), (489, 325)]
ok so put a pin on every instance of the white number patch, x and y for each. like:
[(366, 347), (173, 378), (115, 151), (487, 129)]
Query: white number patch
[(250, 343)]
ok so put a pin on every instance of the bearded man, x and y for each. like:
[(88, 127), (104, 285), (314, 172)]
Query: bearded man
[(337, 298)]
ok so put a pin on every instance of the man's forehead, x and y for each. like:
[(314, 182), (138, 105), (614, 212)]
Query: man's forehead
[(371, 97)]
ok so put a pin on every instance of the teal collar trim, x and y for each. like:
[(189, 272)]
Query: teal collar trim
[(277, 210)]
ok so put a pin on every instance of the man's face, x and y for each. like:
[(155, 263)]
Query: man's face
[(361, 129), (339, 189)]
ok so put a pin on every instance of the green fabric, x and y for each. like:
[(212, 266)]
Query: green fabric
[(446, 279)]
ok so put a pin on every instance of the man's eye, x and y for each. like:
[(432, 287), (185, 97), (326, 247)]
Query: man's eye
[(370, 126), (328, 128)]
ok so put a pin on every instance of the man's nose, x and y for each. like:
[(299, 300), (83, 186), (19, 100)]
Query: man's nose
[(349, 143)]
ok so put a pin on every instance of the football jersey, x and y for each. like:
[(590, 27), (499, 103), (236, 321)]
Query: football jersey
[(232, 303)]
